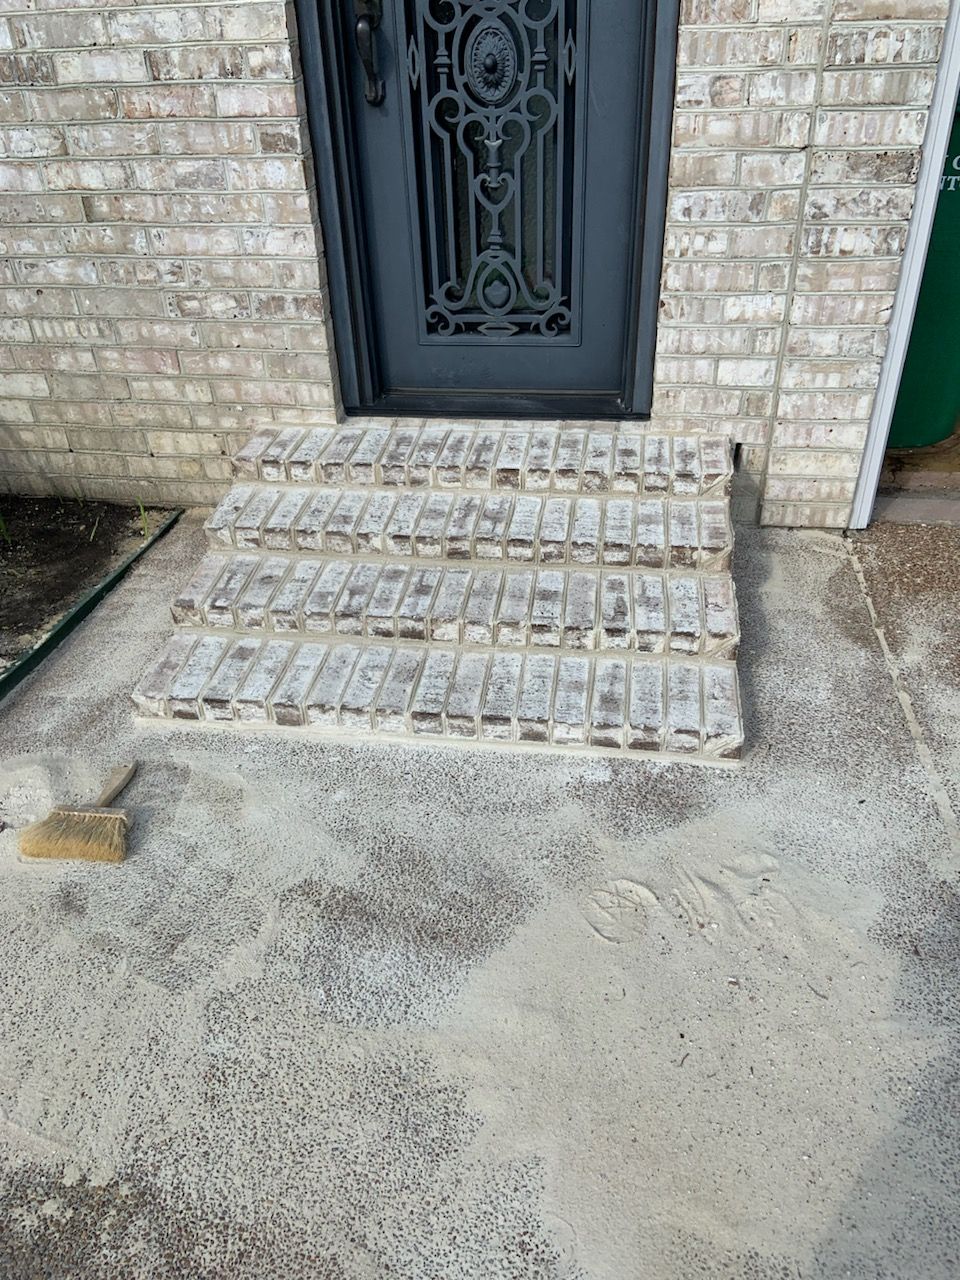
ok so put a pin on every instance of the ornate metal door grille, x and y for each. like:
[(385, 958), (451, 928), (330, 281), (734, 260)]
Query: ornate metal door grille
[(494, 124)]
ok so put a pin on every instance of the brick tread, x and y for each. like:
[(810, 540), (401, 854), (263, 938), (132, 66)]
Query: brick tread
[(469, 604), (608, 703), (658, 533), (539, 459)]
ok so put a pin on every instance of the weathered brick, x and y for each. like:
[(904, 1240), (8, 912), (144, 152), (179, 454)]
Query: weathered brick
[(269, 61), (100, 66), (461, 716), (111, 138), (885, 10), (58, 30), (253, 21), (160, 26), (204, 174), (216, 701), (287, 702), (195, 62), (427, 704), (878, 45), (720, 90), (480, 610), (745, 46), (772, 168), (281, 137), (253, 698), (199, 137), (781, 88), (28, 69), (570, 699), (869, 128), (535, 699), (791, 10), (854, 241), (162, 102), (31, 142), (256, 100), (186, 686), (286, 608), (608, 709), (498, 713), (151, 695), (877, 87), (396, 692), (683, 717)]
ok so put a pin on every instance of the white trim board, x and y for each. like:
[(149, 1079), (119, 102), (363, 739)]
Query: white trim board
[(935, 144)]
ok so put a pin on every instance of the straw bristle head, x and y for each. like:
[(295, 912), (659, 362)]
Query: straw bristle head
[(95, 835)]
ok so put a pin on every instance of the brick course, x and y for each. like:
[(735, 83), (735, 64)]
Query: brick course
[(162, 283)]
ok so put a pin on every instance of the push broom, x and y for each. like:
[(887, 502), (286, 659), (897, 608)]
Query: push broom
[(96, 833)]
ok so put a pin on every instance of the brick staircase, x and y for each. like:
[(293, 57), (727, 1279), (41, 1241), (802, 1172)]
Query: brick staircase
[(555, 585)]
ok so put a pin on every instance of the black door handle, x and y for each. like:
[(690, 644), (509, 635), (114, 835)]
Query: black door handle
[(369, 13)]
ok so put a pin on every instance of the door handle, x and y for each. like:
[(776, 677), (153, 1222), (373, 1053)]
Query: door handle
[(369, 13)]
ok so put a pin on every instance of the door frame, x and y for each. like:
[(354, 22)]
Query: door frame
[(326, 65), (934, 150)]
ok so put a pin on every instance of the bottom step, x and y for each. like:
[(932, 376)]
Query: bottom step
[(615, 704)]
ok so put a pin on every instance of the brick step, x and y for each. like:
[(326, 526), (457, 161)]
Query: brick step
[(534, 458), (652, 613), (610, 704), (544, 585), (658, 533)]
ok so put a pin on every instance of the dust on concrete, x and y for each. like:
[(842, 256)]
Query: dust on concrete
[(358, 1011), (912, 574)]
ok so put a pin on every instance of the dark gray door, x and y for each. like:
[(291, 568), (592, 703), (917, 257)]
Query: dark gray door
[(500, 156)]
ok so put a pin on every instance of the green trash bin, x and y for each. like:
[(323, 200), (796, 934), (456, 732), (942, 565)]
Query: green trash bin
[(928, 403)]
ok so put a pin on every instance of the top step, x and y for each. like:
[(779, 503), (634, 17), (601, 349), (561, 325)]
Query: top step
[(602, 459)]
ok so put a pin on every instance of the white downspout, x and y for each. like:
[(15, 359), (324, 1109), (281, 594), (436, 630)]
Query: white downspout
[(935, 144)]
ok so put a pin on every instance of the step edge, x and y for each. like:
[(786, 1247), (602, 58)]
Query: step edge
[(702, 657), (377, 737)]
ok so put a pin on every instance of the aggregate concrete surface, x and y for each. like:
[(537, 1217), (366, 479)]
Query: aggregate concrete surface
[(358, 1012)]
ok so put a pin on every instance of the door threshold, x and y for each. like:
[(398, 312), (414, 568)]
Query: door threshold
[(468, 406)]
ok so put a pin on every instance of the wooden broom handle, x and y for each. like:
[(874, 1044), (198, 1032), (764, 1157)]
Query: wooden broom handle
[(118, 779)]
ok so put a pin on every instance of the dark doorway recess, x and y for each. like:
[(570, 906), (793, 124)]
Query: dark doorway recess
[(492, 181)]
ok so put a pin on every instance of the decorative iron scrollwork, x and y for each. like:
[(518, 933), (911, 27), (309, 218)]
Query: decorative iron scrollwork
[(491, 64), (495, 125)]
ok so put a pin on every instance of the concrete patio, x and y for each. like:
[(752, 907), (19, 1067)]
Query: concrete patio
[(355, 1011)]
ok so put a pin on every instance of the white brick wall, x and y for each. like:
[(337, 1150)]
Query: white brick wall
[(161, 286), (160, 272), (796, 146)]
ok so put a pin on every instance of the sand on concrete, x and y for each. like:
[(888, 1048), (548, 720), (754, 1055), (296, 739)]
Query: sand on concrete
[(355, 1011)]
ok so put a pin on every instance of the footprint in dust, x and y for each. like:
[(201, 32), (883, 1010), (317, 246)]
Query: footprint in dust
[(619, 912), (735, 894)]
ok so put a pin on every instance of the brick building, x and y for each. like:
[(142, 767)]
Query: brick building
[(166, 289)]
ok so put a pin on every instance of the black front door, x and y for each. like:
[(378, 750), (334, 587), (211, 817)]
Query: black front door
[(502, 169)]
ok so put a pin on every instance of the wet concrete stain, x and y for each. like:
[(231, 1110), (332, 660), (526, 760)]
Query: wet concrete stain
[(368, 1164), (417, 919)]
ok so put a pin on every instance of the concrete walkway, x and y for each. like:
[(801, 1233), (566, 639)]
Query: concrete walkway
[(358, 1012)]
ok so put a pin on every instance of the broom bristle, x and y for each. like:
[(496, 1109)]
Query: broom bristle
[(96, 835)]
